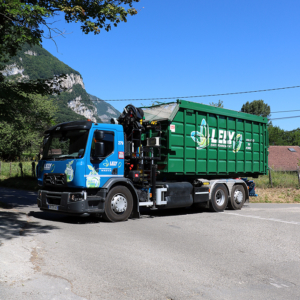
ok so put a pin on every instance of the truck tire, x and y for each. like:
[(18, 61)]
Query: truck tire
[(237, 198), (118, 204), (219, 198)]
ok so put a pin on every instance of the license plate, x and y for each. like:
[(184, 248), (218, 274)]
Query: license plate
[(54, 207)]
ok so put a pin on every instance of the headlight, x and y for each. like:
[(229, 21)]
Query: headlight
[(76, 197)]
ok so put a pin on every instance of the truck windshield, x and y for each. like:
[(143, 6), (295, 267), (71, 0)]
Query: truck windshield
[(65, 144)]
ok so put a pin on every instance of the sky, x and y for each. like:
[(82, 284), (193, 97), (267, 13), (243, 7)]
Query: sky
[(192, 48)]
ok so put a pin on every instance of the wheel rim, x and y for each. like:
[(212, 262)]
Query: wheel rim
[(220, 197), (238, 196), (119, 203)]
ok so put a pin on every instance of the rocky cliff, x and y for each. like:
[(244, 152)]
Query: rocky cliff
[(71, 80), (77, 106), (75, 103), (13, 69), (104, 110)]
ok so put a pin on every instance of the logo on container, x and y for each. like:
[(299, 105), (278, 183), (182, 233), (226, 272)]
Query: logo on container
[(223, 138)]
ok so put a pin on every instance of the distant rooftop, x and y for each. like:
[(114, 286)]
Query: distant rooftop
[(284, 158)]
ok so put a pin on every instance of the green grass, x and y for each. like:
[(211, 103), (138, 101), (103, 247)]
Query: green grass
[(15, 169), (297, 198), (279, 179), (11, 176), (29, 156)]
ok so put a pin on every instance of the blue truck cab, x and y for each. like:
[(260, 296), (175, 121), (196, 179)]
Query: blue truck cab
[(74, 177)]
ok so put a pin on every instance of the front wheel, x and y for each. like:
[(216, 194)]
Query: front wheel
[(118, 204), (219, 198)]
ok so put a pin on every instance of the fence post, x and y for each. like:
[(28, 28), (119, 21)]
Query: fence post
[(298, 174), (33, 168), (270, 178), (21, 167), (10, 169)]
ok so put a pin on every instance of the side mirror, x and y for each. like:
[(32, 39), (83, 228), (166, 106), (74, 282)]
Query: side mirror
[(99, 135), (45, 140), (99, 149)]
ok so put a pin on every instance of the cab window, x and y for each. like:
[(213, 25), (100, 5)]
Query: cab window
[(108, 141)]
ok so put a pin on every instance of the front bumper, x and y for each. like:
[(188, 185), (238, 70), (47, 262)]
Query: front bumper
[(61, 202)]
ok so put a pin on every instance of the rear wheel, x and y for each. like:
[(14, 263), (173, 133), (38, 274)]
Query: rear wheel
[(118, 204), (237, 198), (219, 198)]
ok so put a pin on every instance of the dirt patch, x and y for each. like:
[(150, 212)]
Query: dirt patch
[(36, 260), (276, 195)]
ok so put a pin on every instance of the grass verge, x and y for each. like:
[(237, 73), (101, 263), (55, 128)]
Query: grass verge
[(279, 179), (277, 195), (14, 169)]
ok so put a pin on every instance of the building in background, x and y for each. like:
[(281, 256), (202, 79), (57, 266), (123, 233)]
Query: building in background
[(284, 158)]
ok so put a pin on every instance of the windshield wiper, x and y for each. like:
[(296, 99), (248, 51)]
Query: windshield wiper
[(67, 156)]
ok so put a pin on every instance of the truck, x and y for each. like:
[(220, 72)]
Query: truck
[(169, 155)]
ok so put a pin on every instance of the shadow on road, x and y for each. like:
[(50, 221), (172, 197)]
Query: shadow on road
[(17, 198), (62, 218), (16, 224), (26, 182), (148, 213), (144, 214)]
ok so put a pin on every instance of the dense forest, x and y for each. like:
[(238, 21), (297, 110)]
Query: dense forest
[(280, 137)]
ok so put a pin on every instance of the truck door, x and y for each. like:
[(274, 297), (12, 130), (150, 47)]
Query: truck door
[(100, 169)]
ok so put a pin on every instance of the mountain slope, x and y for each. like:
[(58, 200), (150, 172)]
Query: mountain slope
[(104, 109), (73, 104), (38, 63)]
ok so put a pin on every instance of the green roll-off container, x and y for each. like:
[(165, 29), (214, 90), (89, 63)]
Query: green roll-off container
[(199, 140)]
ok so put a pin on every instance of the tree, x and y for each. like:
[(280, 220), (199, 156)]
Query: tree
[(275, 135), (279, 137), (257, 107), (27, 129), (17, 97), (219, 104), (22, 22)]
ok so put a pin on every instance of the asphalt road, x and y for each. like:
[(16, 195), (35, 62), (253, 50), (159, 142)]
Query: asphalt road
[(179, 254)]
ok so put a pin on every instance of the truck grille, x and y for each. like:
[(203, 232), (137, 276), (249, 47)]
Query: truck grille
[(53, 198), (54, 179)]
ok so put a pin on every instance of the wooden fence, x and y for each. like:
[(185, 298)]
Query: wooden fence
[(19, 169)]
